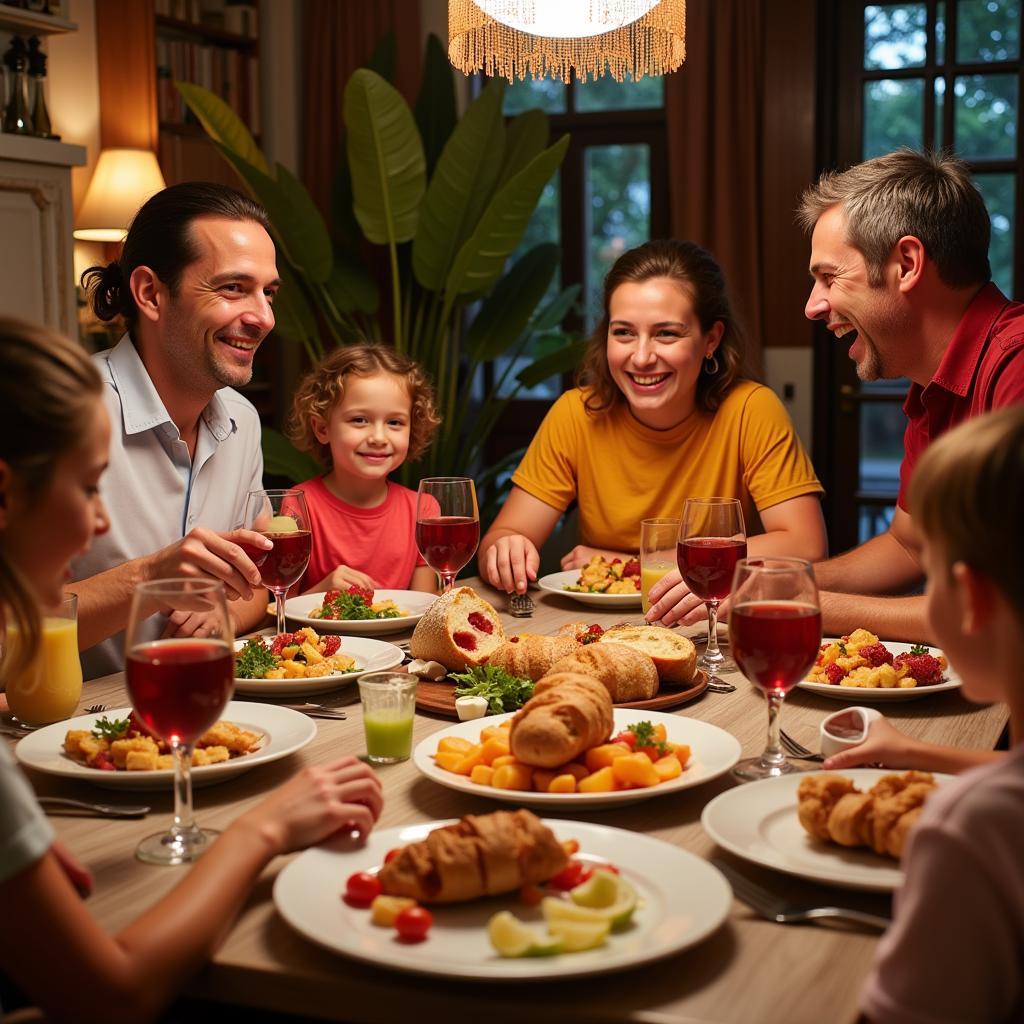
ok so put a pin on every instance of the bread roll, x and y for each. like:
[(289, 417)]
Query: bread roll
[(572, 713), (531, 656), (673, 655), (460, 630), (627, 673)]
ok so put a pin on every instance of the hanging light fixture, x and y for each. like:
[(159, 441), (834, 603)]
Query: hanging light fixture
[(566, 38)]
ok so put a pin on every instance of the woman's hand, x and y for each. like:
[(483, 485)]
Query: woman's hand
[(342, 577), (318, 802), (510, 563), (672, 602)]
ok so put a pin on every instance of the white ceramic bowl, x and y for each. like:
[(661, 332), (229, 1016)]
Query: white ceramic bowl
[(845, 729)]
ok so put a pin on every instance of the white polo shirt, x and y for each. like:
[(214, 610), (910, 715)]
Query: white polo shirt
[(153, 491)]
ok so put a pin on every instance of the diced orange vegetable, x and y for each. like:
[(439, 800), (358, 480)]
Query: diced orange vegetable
[(682, 752), (602, 781), (481, 774), (575, 769), (542, 779), (512, 776), (455, 744), (448, 759), (470, 760), (489, 733), (497, 746), (603, 755), (498, 762), (571, 846), (562, 784), (507, 724), (659, 732), (635, 770), (668, 767)]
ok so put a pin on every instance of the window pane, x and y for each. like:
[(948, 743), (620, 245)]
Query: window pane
[(985, 116), (881, 446), (987, 30), (940, 32), (873, 520), (940, 109), (605, 93), (545, 93), (617, 212), (893, 115), (999, 192), (895, 36)]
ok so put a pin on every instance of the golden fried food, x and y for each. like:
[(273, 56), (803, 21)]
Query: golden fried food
[(816, 796)]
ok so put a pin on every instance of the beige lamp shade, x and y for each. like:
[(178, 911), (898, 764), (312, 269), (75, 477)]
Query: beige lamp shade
[(123, 180)]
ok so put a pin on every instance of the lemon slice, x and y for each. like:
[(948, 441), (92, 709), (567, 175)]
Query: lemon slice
[(511, 938), (556, 910), (577, 936), (282, 524), (608, 893)]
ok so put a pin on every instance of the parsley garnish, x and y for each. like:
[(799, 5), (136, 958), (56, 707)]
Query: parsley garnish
[(919, 649), (502, 690), (644, 733), (103, 728), (253, 660), (842, 647)]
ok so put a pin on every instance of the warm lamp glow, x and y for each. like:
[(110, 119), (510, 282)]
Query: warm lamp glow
[(123, 180)]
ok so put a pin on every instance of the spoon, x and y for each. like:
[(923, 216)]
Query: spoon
[(104, 810)]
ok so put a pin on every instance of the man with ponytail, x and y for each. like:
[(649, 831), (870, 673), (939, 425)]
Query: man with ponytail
[(194, 285)]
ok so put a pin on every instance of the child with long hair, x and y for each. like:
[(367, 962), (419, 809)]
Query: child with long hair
[(361, 413), (54, 437)]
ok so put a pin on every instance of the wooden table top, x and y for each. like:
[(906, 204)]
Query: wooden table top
[(749, 970)]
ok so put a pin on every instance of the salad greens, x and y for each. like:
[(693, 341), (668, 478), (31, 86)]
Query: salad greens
[(104, 728), (253, 660), (353, 603), (502, 690)]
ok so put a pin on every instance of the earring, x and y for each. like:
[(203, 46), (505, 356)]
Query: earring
[(711, 366)]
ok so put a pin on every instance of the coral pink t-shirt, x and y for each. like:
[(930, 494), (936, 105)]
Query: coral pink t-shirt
[(379, 541)]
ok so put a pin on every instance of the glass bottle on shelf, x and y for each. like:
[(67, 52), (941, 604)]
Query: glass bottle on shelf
[(16, 114), (37, 73)]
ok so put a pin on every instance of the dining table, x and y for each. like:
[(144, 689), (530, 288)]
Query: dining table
[(749, 969)]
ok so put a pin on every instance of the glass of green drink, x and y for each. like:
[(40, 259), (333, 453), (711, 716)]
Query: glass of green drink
[(389, 703)]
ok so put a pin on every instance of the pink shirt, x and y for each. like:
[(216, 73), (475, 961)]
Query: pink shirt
[(379, 541), (955, 952)]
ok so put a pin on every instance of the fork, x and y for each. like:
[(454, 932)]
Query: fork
[(520, 605), (105, 810), (317, 710), (798, 750), (776, 908), (95, 709)]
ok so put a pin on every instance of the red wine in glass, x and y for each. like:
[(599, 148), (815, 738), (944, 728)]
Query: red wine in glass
[(256, 555), (775, 643), (447, 542), (285, 563), (179, 688), (707, 564), (281, 516)]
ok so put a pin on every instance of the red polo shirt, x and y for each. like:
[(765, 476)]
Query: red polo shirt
[(982, 369)]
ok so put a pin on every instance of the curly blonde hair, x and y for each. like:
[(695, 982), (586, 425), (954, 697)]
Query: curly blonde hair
[(323, 387)]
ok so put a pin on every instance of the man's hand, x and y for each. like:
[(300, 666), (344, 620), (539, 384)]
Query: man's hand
[(218, 556), (671, 602)]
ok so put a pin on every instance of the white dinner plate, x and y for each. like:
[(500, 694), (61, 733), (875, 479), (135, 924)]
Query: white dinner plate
[(758, 821), (284, 732), (683, 900), (868, 695), (713, 752), (416, 602), (556, 582), (370, 655)]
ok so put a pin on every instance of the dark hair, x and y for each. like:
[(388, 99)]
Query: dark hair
[(696, 270), (324, 386), (160, 237), (48, 390)]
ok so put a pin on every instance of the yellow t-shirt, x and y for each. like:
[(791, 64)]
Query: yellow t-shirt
[(621, 471)]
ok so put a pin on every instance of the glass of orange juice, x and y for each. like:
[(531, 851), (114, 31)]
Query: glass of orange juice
[(657, 553), (49, 688)]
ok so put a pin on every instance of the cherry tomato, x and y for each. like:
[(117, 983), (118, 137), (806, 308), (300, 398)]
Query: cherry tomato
[(651, 752), (392, 854), (413, 923), (626, 736), (362, 888), (568, 877)]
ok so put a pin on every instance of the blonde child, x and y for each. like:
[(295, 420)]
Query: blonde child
[(361, 413), (955, 951)]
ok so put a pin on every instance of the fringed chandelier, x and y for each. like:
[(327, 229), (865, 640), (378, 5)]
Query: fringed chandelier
[(566, 38)]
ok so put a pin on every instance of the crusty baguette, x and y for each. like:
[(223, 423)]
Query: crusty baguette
[(530, 655), (481, 855), (673, 655), (628, 673), (460, 630), (570, 714)]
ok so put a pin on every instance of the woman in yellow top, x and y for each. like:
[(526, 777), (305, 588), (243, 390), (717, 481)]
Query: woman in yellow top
[(660, 414)]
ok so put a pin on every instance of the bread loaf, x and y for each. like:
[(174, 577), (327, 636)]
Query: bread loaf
[(673, 655), (627, 673), (481, 855), (460, 630), (531, 656), (571, 714)]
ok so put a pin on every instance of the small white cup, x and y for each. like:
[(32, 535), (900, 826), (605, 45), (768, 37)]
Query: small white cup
[(845, 729)]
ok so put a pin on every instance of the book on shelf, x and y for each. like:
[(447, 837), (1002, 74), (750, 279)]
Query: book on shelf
[(240, 18)]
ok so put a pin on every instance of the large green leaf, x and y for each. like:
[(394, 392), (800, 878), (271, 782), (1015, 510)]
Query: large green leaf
[(562, 361), (305, 228), (222, 124), (460, 187), (552, 315), (351, 285), (435, 105), (507, 309), (282, 458), (525, 137), (385, 158), (482, 257)]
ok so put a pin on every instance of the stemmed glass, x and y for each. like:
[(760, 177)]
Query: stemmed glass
[(179, 688), (712, 539), (447, 525), (282, 518), (775, 630)]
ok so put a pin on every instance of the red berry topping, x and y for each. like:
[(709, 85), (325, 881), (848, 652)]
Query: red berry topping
[(876, 654), (331, 595), (366, 595), (281, 641), (480, 621), (833, 673), (331, 645), (513, 639), (925, 668), (465, 640), (631, 568)]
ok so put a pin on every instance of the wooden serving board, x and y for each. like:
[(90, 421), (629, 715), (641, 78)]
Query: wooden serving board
[(438, 698)]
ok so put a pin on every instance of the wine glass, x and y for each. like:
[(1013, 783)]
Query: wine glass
[(282, 518), (447, 525), (712, 540), (775, 630), (179, 688)]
